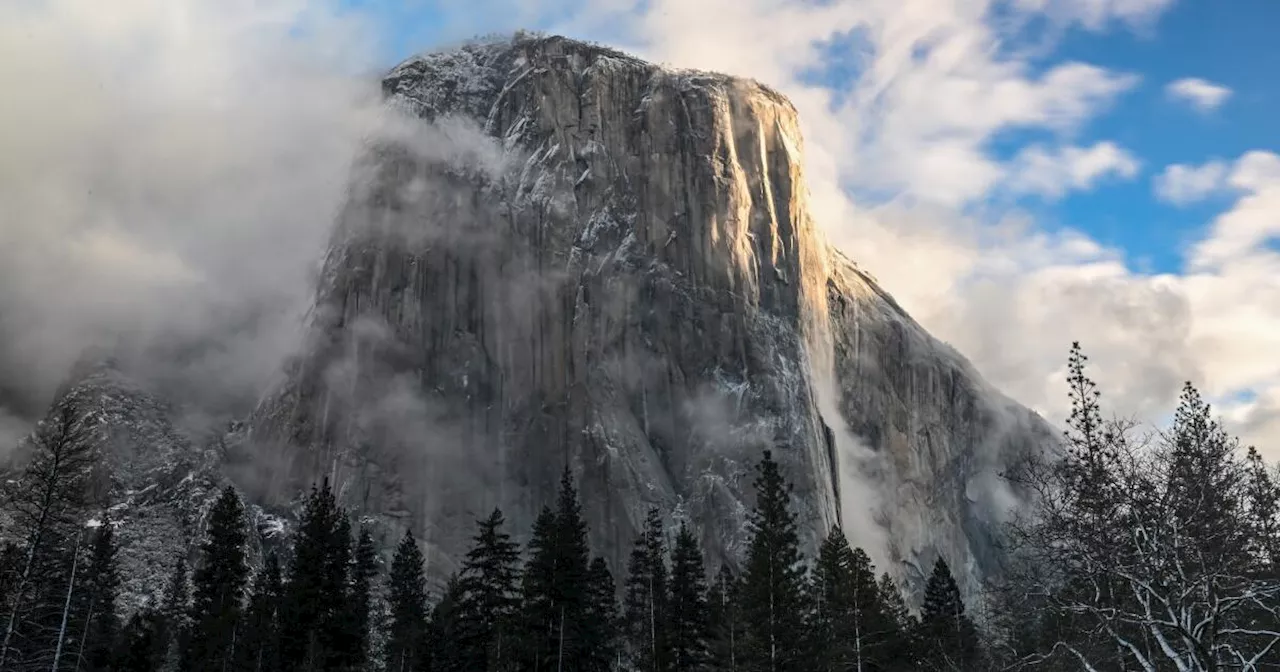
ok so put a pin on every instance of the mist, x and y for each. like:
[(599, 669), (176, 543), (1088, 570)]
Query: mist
[(171, 173)]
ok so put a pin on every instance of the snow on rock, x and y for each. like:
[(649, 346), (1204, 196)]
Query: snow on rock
[(573, 258), (636, 290)]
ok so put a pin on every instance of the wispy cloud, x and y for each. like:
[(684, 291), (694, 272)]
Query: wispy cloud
[(1053, 172), (1202, 95), (1183, 184), (1098, 14)]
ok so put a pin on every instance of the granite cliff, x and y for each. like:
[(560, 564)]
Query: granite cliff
[(563, 256), (582, 259)]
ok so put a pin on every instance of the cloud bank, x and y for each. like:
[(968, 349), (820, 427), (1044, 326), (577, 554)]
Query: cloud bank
[(170, 171)]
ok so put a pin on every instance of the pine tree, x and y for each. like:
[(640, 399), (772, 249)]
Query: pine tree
[(443, 630), (139, 648), (259, 650), (1091, 453), (601, 618), (688, 617), (218, 588), (539, 613), (772, 587), (96, 619), (1203, 483), (850, 626), (358, 614), (554, 588), (1262, 499), (173, 623), (727, 630), (835, 641), (645, 601), (313, 625), (569, 581), (949, 637), (46, 504), (407, 595), (899, 646), (487, 603)]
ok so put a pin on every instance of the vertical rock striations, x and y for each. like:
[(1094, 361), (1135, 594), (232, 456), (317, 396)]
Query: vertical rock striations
[(580, 259)]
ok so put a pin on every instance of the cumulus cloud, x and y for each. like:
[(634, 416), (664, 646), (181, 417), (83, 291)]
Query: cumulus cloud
[(1203, 95), (1052, 173), (1182, 184)]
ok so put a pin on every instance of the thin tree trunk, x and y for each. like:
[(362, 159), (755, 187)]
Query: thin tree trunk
[(560, 657), (84, 635), (66, 607), (653, 625)]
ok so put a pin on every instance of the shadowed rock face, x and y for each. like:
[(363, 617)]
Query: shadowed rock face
[(581, 259)]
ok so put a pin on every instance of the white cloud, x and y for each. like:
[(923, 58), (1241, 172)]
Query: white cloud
[(1203, 95), (1097, 14), (1182, 184), (1240, 234), (1053, 172)]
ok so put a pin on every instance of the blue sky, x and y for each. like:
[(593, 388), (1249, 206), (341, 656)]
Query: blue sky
[(1232, 44)]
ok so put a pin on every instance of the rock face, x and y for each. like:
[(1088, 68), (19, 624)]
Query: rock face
[(578, 259)]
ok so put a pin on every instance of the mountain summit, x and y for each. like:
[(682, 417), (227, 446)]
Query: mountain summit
[(577, 259), (558, 257)]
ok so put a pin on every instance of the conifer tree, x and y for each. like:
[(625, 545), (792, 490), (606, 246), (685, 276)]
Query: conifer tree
[(443, 654), (833, 633), (259, 650), (218, 588), (173, 622), (139, 648), (899, 647), (688, 617), (645, 601), (772, 587), (1262, 502), (363, 571), (488, 599), (949, 638), (96, 619), (554, 588), (727, 629), (46, 505), (313, 625), (601, 618), (569, 585), (850, 625), (539, 615), (406, 645)]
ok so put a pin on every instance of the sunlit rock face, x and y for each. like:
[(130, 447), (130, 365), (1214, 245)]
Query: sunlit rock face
[(558, 256), (576, 258)]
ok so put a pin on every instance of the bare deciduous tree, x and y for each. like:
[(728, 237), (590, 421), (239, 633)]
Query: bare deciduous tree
[(1144, 552)]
